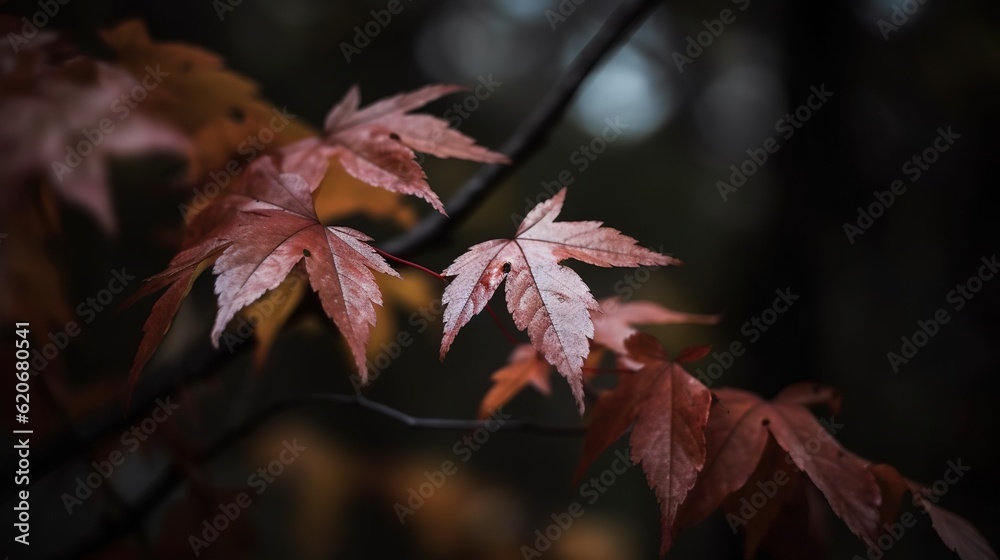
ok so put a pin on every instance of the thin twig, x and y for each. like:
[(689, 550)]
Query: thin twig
[(132, 517), (411, 264)]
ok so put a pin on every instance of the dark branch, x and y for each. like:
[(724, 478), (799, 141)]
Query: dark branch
[(58, 450), (132, 517), (530, 136)]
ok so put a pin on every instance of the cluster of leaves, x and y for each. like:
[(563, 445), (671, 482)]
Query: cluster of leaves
[(703, 450), (700, 450)]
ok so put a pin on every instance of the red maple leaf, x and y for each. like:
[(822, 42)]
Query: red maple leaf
[(274, 230), (376, 144), (545, 298), (667, 409), (737, 434)]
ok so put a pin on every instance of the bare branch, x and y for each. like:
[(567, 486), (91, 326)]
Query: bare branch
[(132, 517)]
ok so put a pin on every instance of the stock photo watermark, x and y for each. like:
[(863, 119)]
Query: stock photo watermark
[(895, 531), (229, 512), (247, 320), (913, 169), (786, 128), (87, 311), (753, 329), (250, 148), (463, 109), (766, 490), (130, 439), (48, 9), (563, 11), (122, 106), (901, 13), (364, 34), (224, 7), (590, 492), (958, 297), (581, 158), (434, 480)]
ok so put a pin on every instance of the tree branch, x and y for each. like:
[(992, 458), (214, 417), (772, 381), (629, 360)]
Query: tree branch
[(132, 517), (530, 136), (60, 449)]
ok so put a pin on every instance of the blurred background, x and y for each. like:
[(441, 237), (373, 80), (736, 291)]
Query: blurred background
[(689, 107)]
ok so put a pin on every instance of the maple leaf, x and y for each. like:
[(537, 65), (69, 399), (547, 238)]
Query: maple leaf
[(525, 367), (179, 277), (65, 129), (548, 300), (892, 487), (737, 433), (271, 238), (207, 235), (275, 228), (227, 120), (669, 410), (376, 144)]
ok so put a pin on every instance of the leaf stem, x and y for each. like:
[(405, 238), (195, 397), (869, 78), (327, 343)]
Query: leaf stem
[(411, 264)]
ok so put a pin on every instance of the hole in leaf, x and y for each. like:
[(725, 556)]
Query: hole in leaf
[(394, 136), (506, 267), (306, 252), (765, 422)]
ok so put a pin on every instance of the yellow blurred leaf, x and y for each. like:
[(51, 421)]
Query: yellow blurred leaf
[(191, 88), (322, 481)]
